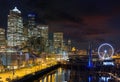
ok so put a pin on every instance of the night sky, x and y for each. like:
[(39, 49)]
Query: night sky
[(80, 20)]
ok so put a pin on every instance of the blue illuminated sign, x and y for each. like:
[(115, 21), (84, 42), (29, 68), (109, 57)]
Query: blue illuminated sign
[(108, 63)]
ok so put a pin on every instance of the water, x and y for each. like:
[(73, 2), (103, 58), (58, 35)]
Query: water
[(66, 75)]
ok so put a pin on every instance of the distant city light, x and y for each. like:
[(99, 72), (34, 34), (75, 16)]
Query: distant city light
[(31, 15), (105, 79), (89, 78), (108, 63), (73, 49)]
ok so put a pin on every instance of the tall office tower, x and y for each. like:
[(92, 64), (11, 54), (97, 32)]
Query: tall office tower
[(31, 25), (69, 45), (50, 42), (2, 39), (43, 32), (15, 35), (58, 41), (25, 31)]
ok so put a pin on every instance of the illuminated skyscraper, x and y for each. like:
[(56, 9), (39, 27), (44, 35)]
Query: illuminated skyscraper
[(15, 28), (69, 45), (2, 38), (31, 25), (42, 31), (58, 41)]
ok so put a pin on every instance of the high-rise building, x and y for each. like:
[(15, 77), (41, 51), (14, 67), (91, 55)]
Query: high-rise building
[(58, 41), (15, 35), (51, 47), (31, 25), (25, 31), (43, 32), (69, 45), (2, 39)]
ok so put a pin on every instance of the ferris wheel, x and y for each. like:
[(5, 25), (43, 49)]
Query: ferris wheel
[(105, 51)]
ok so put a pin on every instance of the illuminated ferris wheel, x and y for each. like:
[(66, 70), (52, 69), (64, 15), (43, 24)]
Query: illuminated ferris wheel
[(105, 51)]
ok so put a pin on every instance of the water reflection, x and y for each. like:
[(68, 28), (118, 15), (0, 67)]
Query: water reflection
[(59, 75), (104, 79), (64, 75)]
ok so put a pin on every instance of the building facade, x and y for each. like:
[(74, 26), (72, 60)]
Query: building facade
[(43, 33), (69, 45), (31, 25), (2, 39), (15, 35), (58, 41)]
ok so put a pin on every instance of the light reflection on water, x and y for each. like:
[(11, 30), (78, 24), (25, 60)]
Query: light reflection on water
[(59, 75), (63, 75)]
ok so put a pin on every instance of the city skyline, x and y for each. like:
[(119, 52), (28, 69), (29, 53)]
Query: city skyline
[(59, 40), (80, 20)]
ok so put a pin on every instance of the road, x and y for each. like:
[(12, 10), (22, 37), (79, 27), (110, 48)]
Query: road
[(19, 73)]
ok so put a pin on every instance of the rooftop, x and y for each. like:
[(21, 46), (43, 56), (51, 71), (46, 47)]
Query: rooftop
[(16, 10)]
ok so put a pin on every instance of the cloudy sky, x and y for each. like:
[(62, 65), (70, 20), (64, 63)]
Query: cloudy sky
[(81, 20)]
